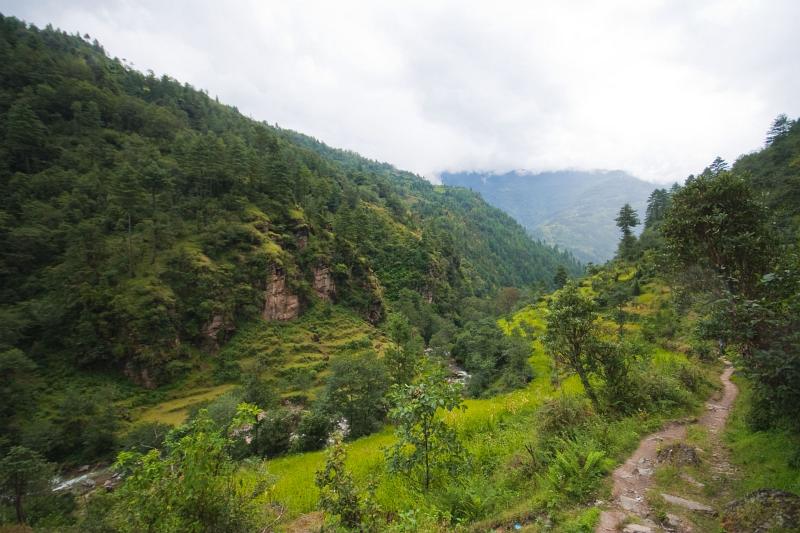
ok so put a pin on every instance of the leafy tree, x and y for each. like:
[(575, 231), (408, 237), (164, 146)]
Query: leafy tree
[(17, 388), (192, 486), (403, 358), (487, 353), (626, 221), (24, 472), (24, 136), (571, 333), (339, 496), (427, 448), (716, 221), (355, 391)]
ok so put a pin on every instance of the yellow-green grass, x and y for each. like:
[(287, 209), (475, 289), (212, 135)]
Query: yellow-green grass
[(175, 411), (494, 431), (295, 487), (307, 343)]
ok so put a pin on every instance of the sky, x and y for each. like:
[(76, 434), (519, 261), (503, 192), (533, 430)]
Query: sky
[(656, 88)]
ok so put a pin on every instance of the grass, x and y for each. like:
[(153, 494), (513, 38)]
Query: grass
[(764, 458), (295, 355), (175, 411)]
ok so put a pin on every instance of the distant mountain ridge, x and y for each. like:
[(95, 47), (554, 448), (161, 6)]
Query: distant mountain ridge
[(572, 209)]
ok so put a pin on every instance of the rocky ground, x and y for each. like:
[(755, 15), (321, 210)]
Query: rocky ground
[(631, 509)]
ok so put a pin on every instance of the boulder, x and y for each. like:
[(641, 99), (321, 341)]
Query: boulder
[(678, 454), (762, 511), (688, 504)]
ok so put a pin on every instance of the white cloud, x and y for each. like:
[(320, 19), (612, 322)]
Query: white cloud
[(655, 88)]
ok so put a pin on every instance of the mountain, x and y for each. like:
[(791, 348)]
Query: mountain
[(572, 209), (142, 222)]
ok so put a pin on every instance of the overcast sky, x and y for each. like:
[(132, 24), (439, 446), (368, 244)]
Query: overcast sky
[(655, 88)]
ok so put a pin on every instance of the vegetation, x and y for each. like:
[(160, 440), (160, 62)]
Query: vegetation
[(213, 301)]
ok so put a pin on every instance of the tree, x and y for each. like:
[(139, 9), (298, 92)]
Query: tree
[(657, 204), (24, 472), (25, 135), (571, 333), (403, 357), (426, 448), (716, 221), (626, 221), (716, 166), (338, 494), (780, 127), (191, 486), (560, 278), (355, 391), (17, 387)]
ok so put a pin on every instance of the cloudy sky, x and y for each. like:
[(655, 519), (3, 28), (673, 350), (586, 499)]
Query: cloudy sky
[(658, 88)]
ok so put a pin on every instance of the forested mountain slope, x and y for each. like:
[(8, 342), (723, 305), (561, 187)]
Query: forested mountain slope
[(140, 219), (572, 209)]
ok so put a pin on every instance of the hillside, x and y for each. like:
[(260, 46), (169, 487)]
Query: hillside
[(142, 222), (571, 209)]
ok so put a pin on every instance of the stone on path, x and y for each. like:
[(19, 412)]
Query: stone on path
[(688, 504)]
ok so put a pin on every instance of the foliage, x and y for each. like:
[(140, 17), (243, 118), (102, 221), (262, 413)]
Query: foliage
[(427, 449), (24, 473), (355, 392), (339, 497), (192, 487), (491, 358), (571, 333), (575, 473), (626, 220)]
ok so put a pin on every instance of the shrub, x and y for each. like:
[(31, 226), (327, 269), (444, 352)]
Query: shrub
[(563, 415), (145, 436), (272, 435), (575, 473)]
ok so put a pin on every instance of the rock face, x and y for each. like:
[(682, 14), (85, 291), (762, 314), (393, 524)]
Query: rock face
[(279, 302), (140, 376), (323, 283), (216, 330), (763, 510)]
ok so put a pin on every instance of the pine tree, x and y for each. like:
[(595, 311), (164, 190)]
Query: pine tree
[(626, 221)]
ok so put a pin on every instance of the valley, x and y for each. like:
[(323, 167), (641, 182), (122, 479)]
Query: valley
[(209, 323)]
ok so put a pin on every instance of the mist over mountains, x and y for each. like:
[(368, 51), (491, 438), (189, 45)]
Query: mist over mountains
[(572, 209)]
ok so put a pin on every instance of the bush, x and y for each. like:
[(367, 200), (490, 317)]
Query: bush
[(659, 390), (563, 415), (145, 436), (575, 472), (473, 500), (312, 431), (273, 432)]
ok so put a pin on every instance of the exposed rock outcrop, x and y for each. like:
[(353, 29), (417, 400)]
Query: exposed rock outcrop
[(678, 454), (217, 330), (140, 376), (279, 302), (323, 284), (763, 510)]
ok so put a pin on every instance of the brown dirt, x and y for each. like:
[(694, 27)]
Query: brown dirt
[(634, 477)]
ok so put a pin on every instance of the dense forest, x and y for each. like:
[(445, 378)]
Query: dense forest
[(141, 218), (572, 209), (212, 324)]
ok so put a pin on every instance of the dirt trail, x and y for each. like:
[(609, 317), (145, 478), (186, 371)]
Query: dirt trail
[(634, 477)]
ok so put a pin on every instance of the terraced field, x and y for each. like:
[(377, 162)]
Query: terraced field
[(294, 357)]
